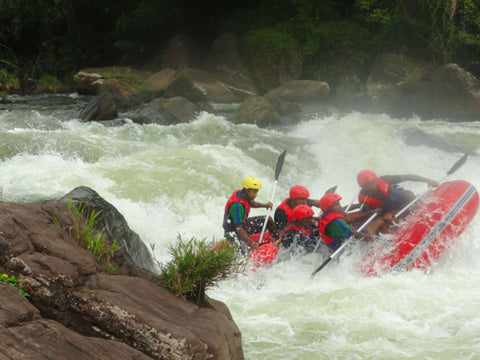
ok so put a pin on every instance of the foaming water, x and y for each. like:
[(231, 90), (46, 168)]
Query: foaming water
[(174, 180)]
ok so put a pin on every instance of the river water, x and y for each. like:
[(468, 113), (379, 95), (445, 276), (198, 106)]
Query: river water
[(174, 180)]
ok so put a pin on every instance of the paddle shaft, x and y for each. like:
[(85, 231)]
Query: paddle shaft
[(278, 169), (340, 249), (353, 200)]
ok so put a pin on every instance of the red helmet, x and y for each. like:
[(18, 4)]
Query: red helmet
[(302, 212), (365, 176), (327, 200), (299, 192)]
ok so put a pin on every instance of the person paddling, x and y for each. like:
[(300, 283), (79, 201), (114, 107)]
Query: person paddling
[(334, 225), (302, 231), (382, 192), (236, 223), (298, 195)]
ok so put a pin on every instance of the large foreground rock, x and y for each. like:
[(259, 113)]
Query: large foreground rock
[(77, 310)]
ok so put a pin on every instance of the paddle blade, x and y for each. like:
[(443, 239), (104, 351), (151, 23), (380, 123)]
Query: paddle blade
[(280, 160), (458, 164), (320, 267), (331, 190)]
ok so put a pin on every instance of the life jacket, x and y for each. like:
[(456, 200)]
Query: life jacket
[(288, 210), (227, 219), (324, 221), (373, 202)]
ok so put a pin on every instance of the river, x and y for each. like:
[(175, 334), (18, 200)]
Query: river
[(174, 180)]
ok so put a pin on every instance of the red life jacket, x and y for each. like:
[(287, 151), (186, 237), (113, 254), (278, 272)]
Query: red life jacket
[(384, 188), (232, 200), (324, 221), (288, 210)]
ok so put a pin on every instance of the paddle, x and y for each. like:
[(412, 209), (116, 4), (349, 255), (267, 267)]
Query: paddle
[(353, 200), (278, 168), (340, 249), (331, 190), (454, 168)]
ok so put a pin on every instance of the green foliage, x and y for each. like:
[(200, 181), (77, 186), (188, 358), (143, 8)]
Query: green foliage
[(50, 83), (441, 31), (12, 280), (87, 236), (198, 265), (272, 44), (62, 36), (343, 48)]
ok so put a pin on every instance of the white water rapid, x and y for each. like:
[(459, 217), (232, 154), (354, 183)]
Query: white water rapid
[(170, 180)]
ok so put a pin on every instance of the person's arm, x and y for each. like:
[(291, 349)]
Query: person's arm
[(245, 237), (313, 202), (361, 215), (256, 204), (339, 229), (395, 179)]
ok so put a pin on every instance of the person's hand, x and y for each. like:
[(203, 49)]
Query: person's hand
[(388, 218), (377, 211), (254, 245), (367, 237), (432, 183), (269, 205)]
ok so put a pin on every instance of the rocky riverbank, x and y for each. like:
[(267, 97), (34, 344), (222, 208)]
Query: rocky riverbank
[(75, 309)]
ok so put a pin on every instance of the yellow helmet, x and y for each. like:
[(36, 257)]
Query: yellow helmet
[(251, 182)]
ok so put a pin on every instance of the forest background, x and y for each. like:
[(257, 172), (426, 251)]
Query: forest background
[(50, 40)]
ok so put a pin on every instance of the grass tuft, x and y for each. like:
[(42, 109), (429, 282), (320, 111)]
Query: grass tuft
[(94, 240), (198, 265)]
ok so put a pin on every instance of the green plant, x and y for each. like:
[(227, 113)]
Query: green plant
[(87, 236), (50, 83), (198, 265), (12, 280)]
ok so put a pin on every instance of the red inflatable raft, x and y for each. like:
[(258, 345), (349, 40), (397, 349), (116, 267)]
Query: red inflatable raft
[(266, 252), (262, 255), (424, 235)]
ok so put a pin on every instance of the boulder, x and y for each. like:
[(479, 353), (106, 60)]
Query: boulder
[(301, 91), (165, 112), (200, 86), (123, 94), (78, 310), (286, 98), (102, 107), (115, 226), (159, 81), (256, 110), (447, 92), (88, 81)]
